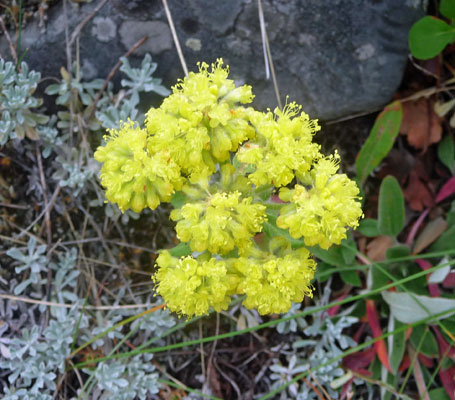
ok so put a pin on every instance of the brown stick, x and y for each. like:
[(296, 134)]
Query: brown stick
[(8, 39)]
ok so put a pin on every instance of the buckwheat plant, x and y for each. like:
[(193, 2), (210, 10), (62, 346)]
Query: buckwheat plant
[(227, 162)]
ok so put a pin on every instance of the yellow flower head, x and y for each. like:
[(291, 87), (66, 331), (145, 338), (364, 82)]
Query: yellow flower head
[(190, 287), (323, 212), (133, 177), (222, 223), (271, 284), (201, 122), (283, 146)]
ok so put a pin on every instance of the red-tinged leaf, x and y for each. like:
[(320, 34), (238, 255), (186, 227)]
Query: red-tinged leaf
[(420, 123), (449, 281), (417, 193), (433, 288), (359, 360), (425, 360), (444, 348), (415, 227), (332, 311), (379, 346), (347, 389), (448, 381), (447, 190), (405, 363), (359, 332)]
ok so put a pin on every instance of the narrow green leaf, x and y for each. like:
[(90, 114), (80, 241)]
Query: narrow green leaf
[(391, 207), (447, 8), (398, 347), (380, 140), (429, 36), (446, 152)]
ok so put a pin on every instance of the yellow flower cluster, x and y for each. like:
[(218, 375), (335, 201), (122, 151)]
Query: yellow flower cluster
[(133, 176), (221, 157), (220, 224), (190, 287), (272, 283), (201, 122), (322, 211), (283, 146)]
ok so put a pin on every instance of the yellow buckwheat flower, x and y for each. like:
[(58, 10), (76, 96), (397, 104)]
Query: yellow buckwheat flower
[(201, 122), (133, 177), (322, 213), (221, 224), (190, 287), (272, 283), (226, 160), (283, 146)]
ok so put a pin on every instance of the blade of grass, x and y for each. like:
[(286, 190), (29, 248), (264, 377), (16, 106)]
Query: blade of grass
[(413, 360), (121, 323), (391, 277), (266, 324)]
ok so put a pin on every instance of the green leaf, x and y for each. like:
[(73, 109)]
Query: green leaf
[(181, 250), (398, 251), (409, 309), (368, 227), (429, 346), (445, 241), (429, 36), (351, 278), (332, 256), (271, 230), (391, 207), (446, 152), (380, 140), (447, 8), (348, 250), (438, 394), (398, 347), (178, 199)]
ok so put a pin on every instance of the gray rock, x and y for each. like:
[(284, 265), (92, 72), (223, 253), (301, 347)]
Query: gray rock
[(335, 57)]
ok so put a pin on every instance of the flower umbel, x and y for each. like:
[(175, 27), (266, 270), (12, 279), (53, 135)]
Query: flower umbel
[(223, 162)]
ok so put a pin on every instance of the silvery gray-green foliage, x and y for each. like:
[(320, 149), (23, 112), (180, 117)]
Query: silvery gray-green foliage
[(120, 380), (74, 175), (36, 358), (51, 137), (125, 107), (293, 324), (141, 79), (328, 342), (23, 394), (16, 102), (34, 261)]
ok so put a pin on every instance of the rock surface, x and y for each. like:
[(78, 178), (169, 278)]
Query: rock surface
[(336, 58)]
